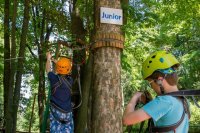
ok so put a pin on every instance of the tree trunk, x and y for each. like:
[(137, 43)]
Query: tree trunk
[(20, 63), (79, 32), (82, 118), (107, 93), (13, 55), (41, 87), (6, 79)]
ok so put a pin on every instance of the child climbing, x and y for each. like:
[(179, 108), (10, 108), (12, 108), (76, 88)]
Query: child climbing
[(61, 117)]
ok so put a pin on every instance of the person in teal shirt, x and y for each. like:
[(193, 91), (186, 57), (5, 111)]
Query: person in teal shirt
[(167, 113)]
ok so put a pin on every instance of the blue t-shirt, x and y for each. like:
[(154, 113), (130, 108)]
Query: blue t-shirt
[(167, 110), (60, 96)]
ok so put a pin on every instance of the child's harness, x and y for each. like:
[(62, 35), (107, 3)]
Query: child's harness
[(53, 106), (67, 89), (181, 95)]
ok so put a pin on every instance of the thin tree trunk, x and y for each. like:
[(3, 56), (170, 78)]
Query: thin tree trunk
[(6, 79), (20, 62), (13, 54), (41, 87), (107, 93)]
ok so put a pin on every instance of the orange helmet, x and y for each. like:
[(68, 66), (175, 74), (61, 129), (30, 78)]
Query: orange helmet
[(63, 66)]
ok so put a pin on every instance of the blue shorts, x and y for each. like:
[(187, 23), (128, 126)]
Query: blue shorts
[(61, 122)]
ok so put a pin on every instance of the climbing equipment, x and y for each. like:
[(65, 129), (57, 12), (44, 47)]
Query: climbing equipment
[(158, 61), (46, 112), (79, 87)]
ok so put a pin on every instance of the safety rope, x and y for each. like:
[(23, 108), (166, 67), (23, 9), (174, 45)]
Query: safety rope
[(79, 87), (101, 40), (46, 112)]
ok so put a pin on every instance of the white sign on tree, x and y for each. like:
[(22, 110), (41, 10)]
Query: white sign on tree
[(111, 16)]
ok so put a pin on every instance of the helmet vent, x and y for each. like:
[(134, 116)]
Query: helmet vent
[(150, 61), (153, 56)]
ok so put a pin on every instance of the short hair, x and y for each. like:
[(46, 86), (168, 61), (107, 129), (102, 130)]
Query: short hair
[(172, 79)]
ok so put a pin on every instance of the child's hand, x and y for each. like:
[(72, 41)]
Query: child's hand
[(48, 55), (54, 60), (139, 97)]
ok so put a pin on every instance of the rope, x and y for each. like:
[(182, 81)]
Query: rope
[(76, 48), (46, 112), (195, 101), (79, 87)]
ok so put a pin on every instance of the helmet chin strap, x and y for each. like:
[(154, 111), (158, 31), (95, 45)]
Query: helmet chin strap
[(159, 82), (162, 89)]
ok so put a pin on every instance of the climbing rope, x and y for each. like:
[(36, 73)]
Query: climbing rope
[(46, 112), (79, 87)]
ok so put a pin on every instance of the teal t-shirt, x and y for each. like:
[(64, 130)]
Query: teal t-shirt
[(167, 110)]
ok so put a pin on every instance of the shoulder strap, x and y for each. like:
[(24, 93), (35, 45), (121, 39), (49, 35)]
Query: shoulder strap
[(62, 80), (56, 85), (66, 82), (185, 93)]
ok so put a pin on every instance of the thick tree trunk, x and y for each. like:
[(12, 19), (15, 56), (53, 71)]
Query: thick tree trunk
[(107, 93), (20, 62)]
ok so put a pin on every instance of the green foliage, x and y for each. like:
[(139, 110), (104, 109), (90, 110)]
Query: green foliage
[(24, 116)]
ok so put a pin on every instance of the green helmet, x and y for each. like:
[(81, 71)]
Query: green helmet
[(159, 60)]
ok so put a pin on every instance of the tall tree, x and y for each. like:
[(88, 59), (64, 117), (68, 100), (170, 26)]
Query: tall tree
[(13, 55), (7, 91), (107, 93), (20, 64), (42, 29), (77, 29)]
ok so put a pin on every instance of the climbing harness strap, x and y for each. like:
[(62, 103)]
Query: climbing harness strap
[(53, 111), (62, 80), (182, 94), (186, 93)]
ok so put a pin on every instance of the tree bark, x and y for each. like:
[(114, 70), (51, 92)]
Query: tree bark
[(13, 55), (82, 119), (79, 32), (6, 79), (41, 86), (20, 62), (107, 93)]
